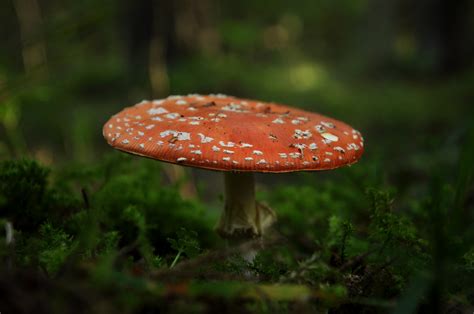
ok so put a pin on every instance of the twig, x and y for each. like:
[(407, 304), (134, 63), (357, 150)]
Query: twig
[(10, 242), (189, 268), (175, 259), (9, 237), (85, 197), (355, 260)]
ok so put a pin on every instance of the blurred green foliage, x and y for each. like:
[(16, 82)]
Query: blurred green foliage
[(353, 246)]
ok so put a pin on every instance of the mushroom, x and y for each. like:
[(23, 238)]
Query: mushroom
[(239, 137)]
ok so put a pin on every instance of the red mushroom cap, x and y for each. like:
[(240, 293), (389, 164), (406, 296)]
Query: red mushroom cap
[(225, 133)]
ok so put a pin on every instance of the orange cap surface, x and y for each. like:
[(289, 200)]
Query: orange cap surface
[(225, 133)]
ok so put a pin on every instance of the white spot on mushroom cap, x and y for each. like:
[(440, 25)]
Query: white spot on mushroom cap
[(244, 145), (197, 152), (173, 115), (181, 136), (300, 134), (180, 159), (228, 144), (226, 158), (234, 107), (353, 146), (320, 128), (278, 121), (205, 139), (174, 96), (149, 127), (295, 155), (226, 151), (155, 111), (125, 142), (313, 146), (295, 121), (158, 102), (328, 124), (157, 119), (215, 148), (299, 146), (330, 137), (248, 158), (181, 102), (261, 161), (257, 152)]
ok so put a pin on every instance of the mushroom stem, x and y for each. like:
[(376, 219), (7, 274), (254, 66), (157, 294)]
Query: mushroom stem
[(243, 217)]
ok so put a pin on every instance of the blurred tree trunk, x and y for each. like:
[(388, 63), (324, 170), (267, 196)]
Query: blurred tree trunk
[(157, 66), (33, 44), (457, 42), (183, 27), (161, 38), (161, 32), (380, 32), (442, 32), (437, 31)]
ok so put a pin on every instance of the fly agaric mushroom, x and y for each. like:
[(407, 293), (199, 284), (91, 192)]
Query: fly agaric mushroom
[(239, 137)]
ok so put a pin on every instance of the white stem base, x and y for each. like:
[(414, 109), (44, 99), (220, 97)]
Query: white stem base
[(243, 217)]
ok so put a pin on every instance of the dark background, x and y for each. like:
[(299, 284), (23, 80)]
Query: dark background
[(96, 230), (398, 70)]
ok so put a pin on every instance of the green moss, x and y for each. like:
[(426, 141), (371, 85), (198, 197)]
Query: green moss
[(23, 193), (116, 223)]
